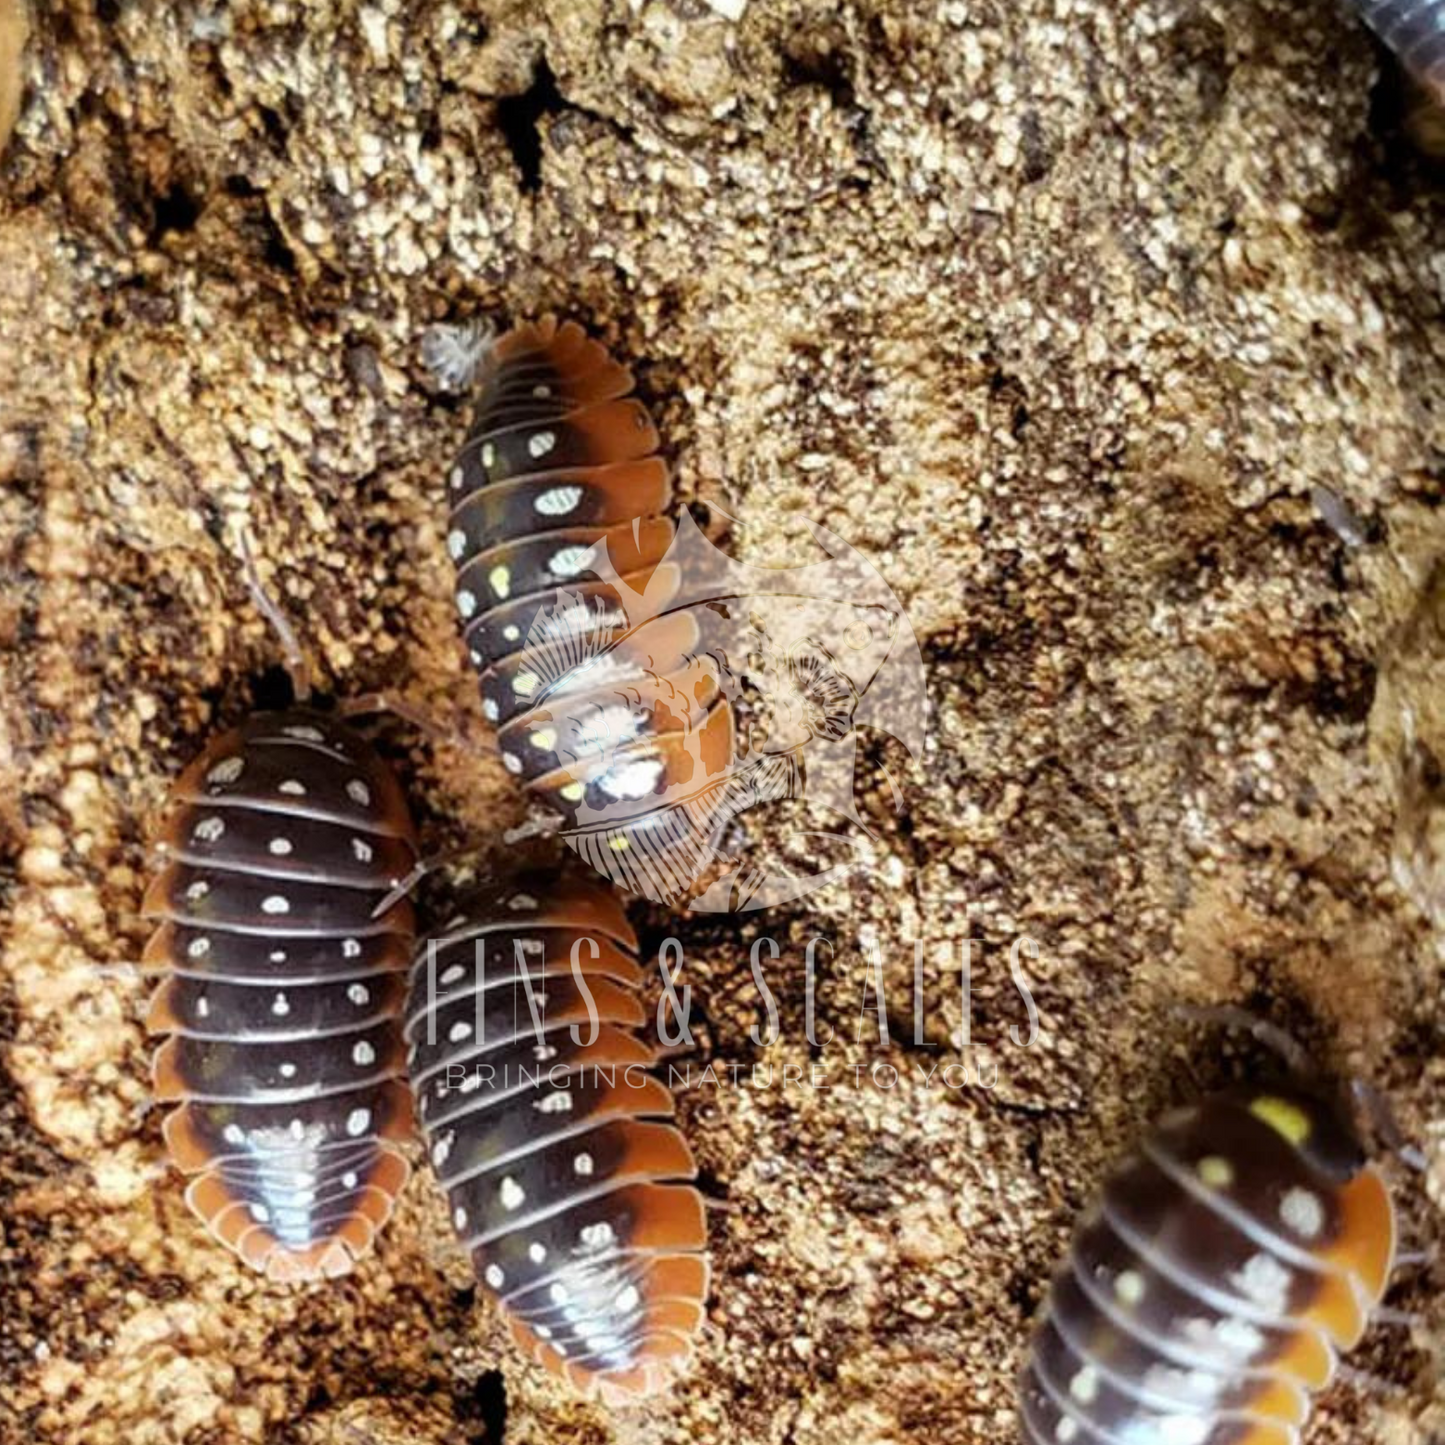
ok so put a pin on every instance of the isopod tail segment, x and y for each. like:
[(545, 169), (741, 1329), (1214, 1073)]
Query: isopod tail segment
[(566, 1180), (283, 989), (605, 705)]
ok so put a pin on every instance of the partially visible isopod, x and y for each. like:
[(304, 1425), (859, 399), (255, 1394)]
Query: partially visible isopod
[(1415, 31), (565, 1179), (1211, 1289)]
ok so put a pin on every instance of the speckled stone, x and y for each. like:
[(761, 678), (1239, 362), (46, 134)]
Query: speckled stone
[(1110, 332)]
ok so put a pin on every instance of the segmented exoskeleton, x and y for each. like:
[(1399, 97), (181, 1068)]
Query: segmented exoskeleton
[(285, 949), (1415, 31), (1209, 1292), (565, 1180), (283, 993), (602, 704)]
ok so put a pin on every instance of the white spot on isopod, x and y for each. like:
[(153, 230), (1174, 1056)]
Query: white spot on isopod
[(357, 1121), (597, 1236), (292, 787), (558, 501), (359, 994), (512, 1195), (540, 443), (226, 771), (208, 830), (358, 792), (362, 850), (363, 1054), (1303, 1212), (280, 1005), (198, 948), (456, 544), (467, 603), (279, 846), (275, 903), (569, 561), (494, 1276)]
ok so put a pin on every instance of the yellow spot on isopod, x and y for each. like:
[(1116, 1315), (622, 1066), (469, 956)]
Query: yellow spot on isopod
[(573, 792), (500, 580), (620, 845), (544, 739), (1217, 1173), (1286, 1119)]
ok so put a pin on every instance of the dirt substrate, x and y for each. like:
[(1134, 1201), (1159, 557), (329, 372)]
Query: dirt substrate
[(1109, 332)]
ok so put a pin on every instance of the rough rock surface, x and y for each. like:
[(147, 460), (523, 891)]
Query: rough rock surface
[(1111, 332)]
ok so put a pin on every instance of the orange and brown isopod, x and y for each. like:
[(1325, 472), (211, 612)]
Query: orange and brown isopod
[(1210, 1291), (606, 705), (283, 993), (566, 1180)]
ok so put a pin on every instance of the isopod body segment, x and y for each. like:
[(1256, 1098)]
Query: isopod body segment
[(565, 1179), (282, 993), (1210, 1291)]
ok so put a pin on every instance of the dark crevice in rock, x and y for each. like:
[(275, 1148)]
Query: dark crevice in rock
[(484, 1412), (518, 118)]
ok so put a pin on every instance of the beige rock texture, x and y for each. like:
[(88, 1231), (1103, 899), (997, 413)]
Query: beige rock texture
[(1110, 332)]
